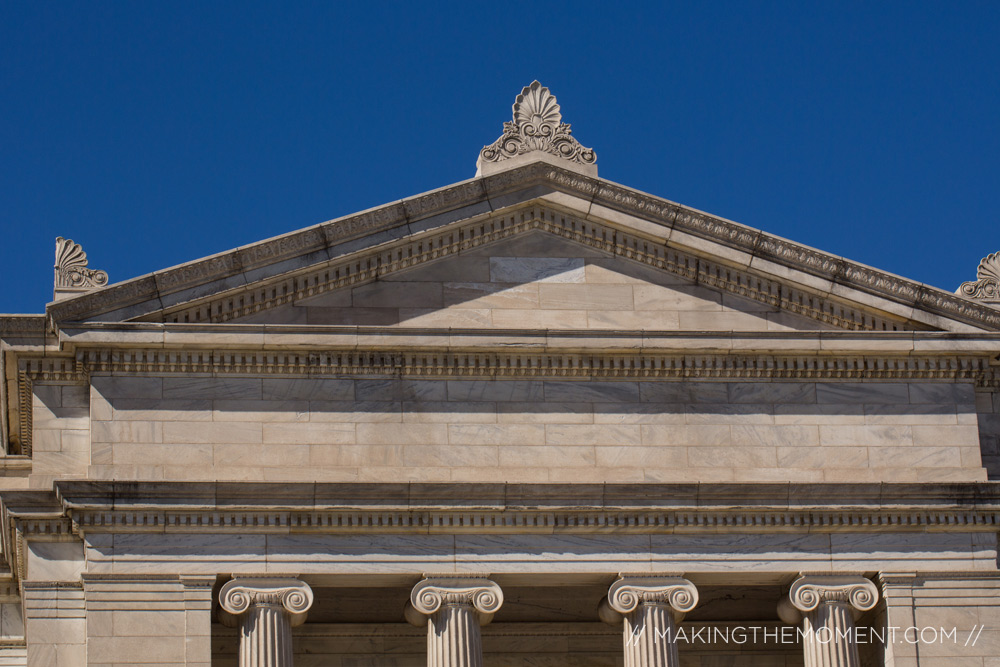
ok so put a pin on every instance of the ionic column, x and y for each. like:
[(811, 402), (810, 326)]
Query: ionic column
[(453, 608), (265, 608), (826, 606), (651, 607)]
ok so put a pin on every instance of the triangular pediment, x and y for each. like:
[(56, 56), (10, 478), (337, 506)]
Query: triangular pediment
[(747, 279), (537, 280)]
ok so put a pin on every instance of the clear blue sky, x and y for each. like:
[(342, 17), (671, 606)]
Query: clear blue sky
[(157, 133)]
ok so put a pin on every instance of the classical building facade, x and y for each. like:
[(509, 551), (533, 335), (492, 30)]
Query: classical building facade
[(534, 418)]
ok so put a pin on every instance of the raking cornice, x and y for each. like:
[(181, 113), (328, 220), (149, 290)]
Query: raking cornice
[(485, 194)]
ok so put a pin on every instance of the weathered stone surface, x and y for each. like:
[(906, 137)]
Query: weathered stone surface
[(534, 373)]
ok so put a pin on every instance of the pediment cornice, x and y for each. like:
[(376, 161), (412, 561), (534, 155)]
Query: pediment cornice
[(673, 226)]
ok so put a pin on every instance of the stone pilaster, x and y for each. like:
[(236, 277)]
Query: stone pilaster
[(826, 606), (651, 607), (453, 608), (265, 608)]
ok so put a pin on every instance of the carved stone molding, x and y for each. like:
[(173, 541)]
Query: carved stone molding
[(265, 608), (650, 608), (71, 272), (986, 287), (537, 126), (515, 521), (411, 252), (525, 363), (453, 608), (649, 207)]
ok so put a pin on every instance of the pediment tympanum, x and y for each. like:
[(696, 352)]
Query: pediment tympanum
[(538, 280)]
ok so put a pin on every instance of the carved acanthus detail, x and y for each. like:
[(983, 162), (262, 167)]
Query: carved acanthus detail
[(71, 269), (987, 285), (537, 126)]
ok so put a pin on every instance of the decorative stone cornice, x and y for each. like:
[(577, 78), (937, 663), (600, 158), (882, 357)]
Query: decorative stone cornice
[(986, 287), (71, 272), (668, 215), (525, 508), (30, 515), (22, 326), (537, 126), (529, 363), (475, 591), (412, 251), (527, 521)]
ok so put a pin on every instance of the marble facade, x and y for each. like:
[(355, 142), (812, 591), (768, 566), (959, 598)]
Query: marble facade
[(532, 418)]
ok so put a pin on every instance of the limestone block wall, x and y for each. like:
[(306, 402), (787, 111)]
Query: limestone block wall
[(148, 620), (968, 604), (55, 623), (393, 429), (60, 432)]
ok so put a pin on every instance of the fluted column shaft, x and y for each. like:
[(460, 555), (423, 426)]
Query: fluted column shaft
[(265, 636), (826, 607), (265, 609), (453, 638), (650, 608), (454, 609)]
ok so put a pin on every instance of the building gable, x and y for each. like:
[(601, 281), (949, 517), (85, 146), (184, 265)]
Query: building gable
[(537, 280)]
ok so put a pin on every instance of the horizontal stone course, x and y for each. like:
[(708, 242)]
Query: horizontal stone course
[(540, 430)]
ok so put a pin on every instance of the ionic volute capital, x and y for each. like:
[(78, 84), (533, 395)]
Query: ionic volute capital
[(483, 596), (243, 593), (629, 592), (809, 592)]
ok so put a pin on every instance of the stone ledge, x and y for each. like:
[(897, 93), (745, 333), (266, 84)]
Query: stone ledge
[(94, 495)]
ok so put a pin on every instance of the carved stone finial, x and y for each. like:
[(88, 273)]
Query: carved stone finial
[(537, 127), (987, 286), (72, 275)]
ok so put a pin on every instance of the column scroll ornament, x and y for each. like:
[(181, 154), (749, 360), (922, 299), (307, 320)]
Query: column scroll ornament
[(71, 272), (827, 607), (265, 609), (806, 594), (649, 608), (986, 287), (453, 609), (537, 126)]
